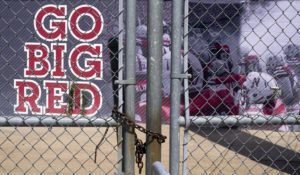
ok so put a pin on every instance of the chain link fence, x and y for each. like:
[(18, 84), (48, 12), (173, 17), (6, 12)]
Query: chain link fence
[(62, 62), (242, 57), (58, 64)]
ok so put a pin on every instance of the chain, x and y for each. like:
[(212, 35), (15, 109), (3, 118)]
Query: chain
[(100, 142), (159, 137), (139, 145), (140, 150)]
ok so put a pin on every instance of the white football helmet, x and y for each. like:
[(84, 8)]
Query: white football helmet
[(141, 31), (291, 54), (250, 63), (214, 35), (274, 62), (259, 88), (291, 50)]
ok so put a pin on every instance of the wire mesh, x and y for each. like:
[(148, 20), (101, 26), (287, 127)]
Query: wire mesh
[(58, 64), (57, 150), (60, 59), (242, 57)]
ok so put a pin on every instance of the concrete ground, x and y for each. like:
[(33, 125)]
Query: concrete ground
[(71, 151)]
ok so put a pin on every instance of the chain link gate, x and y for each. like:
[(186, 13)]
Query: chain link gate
[(242, 99)]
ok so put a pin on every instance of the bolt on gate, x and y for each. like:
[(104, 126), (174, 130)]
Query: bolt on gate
[(219, 76)]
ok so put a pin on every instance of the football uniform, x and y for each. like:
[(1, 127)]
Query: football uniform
[(219, 98), (286, 79), (262, 93)]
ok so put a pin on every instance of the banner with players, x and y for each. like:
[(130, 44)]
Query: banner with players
[(61, 59)]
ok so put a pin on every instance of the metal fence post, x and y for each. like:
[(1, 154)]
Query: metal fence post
[(186, 91), (175, 86), (154, 80), (120, 87), (130, 87)]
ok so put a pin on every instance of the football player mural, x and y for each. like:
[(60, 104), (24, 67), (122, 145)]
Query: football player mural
[(219, 95), (261, 93), (286, 79), (141, 73), (198, 57), (249, 63), (292, 58)]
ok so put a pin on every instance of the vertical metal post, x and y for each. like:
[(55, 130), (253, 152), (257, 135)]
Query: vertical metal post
[(129, 138), (154, 80), (120, 87), (175, 86), (120, 54), (186, 91)]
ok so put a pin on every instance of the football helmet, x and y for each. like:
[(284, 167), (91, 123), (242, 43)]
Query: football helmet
[(291, 50), (141, 31), (253, 63), (274, 62), (260, 88), (221, 52), (292, 54)]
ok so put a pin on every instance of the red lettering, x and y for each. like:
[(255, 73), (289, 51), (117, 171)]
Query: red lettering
[(38, 65), (58, 51), (28, 94), (97, 24), (95, 99), (58, 26), (55, 91), (93, 66)]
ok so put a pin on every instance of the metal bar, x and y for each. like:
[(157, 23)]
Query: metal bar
[(130, 52), (120, 54), (175, 86), (154, 80), (159, 169), (186, 90), (41, 121), (120, 87), (240, 120)]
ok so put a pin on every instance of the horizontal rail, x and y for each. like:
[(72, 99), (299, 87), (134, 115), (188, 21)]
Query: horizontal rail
[(107, 121), (240, 120), (50, 121)]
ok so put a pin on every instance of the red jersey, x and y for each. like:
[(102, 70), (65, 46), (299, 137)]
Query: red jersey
[(219, 98)]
